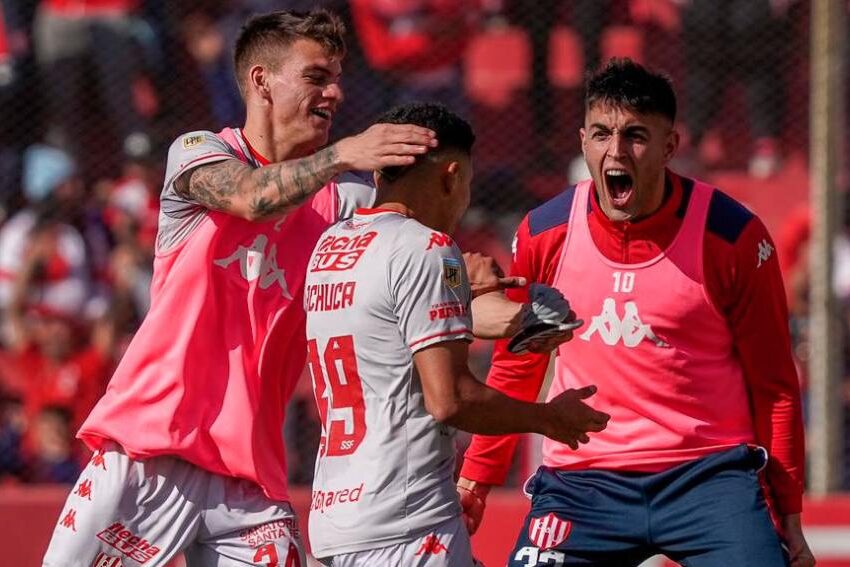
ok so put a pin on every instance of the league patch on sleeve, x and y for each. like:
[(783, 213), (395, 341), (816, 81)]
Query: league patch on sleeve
[(193, 140), (452, 274)]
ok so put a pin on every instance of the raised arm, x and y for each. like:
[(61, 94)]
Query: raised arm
[(259, 193)]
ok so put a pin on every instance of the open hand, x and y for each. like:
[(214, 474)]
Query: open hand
[(385, 145), (568, 419)]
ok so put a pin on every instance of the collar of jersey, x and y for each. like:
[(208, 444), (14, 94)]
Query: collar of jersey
[(364, 211), (254, 153)]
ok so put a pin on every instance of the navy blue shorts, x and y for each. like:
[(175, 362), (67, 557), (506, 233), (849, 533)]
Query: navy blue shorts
[(707, 513)]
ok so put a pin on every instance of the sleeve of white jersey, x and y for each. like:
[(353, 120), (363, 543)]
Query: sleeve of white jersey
[(430, 291), (354, 190), (186, 153), (179, 216)]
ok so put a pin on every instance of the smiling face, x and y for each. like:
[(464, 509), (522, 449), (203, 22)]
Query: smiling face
[(305, 92), (626, 153)]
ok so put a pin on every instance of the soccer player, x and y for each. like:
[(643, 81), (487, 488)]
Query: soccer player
[(188, 442), (686, 333), (388, 325)]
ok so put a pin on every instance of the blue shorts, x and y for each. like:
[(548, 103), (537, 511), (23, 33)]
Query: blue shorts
[(707, 513)]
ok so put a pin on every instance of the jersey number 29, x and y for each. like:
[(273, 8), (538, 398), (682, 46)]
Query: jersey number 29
[(342, 409)]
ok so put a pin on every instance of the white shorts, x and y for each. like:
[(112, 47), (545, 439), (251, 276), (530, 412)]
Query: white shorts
[(126, 513), (447, 545)]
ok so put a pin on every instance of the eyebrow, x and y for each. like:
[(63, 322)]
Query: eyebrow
[(321, 69), (628, 129)]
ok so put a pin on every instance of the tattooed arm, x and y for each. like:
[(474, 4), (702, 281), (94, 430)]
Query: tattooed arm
[(256, 194)]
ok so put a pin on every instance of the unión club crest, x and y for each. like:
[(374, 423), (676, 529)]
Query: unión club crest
[(549, 531)]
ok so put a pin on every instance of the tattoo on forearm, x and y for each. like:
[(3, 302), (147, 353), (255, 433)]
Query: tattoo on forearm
[(288, 184), (276, 188)]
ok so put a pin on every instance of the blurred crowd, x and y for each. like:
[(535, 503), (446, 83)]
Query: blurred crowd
[(92, 92)]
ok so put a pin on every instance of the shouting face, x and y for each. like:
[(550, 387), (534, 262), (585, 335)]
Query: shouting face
[(626, 153)]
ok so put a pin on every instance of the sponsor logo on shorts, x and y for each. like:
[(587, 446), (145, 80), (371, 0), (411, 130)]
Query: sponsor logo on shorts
[(340, 253), (549, 531), (326, 499), (128, 543), (451, 272), (276, 530), (431, 545), (193, 140), (104, 560)]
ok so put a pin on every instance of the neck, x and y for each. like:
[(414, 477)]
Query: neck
[(270, 142), (422, 212)]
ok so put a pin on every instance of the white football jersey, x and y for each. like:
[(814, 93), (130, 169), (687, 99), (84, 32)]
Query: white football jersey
[(380, 286)]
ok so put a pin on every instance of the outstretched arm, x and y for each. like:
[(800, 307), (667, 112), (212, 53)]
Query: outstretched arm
[(258, 193)]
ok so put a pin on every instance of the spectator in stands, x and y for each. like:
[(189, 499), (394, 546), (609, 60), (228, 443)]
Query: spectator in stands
[(418, 46), (18, 97), (51, 457), (53, 359), (54, 192), (72, 37), (12, 426), (743, 39)]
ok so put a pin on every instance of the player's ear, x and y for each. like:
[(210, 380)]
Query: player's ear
[(672, 144), (258, 81), (451, 177)]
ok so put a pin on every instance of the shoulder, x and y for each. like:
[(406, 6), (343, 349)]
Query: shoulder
[(728, 219), (354, 189), (553, 214), (197, 138)]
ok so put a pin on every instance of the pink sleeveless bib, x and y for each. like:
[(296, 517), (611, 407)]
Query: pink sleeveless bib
[(208, 375), (658, 350)]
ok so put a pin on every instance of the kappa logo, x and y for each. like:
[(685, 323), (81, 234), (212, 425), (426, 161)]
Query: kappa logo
[(84, 489), (439, 240), (431, 545), (612, 329), (257, 265), (70, 520), (452, 274), (549, 531), (104, 560), (97, 460), (128, 543), (765, 251)]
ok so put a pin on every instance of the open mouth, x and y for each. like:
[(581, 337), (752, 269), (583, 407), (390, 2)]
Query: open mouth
[(620, 186), (323, 113)]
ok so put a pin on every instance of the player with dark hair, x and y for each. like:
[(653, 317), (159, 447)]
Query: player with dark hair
[(188, 441), (388, 325), (686, 335)]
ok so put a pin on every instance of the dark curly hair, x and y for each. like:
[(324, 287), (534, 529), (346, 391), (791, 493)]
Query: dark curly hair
[(453, 132), (624, 83)]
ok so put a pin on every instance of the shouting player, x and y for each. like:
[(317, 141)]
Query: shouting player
[(686, 330), (188, 447), (388, 326)]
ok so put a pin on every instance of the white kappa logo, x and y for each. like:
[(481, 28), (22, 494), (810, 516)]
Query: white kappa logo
[(255, 264), (630, 329), (765, 251)]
